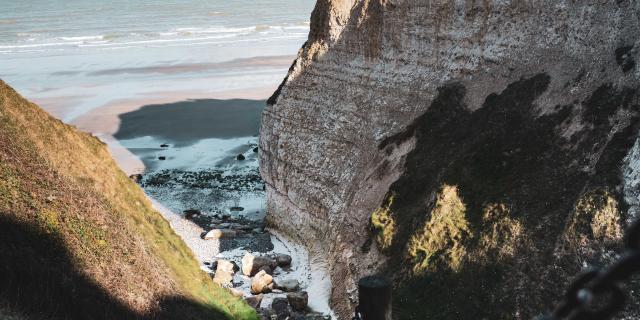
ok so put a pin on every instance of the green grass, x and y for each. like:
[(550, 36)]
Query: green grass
[(63, 183)]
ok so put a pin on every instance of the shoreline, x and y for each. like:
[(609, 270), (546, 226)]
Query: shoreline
[(137, 153)]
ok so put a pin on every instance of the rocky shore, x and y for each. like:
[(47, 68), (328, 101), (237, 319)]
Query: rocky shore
[(219, 211)]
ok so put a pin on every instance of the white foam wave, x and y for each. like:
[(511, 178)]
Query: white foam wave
[(82, 38), (182, 36)]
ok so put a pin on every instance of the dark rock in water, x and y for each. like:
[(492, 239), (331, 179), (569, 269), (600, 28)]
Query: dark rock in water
[(164, 145), (191, 213), (240, 157), (283, 260), (255, 149), (237, 209), (254, 301), (287, 285), (298, 300), (281, 307), (162, 158), (137, 178)]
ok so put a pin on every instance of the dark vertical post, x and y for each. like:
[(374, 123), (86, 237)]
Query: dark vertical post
[(374, 294)]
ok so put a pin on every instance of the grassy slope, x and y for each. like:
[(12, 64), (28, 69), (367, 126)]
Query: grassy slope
[(62, 186)]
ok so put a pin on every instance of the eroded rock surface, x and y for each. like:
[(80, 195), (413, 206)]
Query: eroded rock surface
[(485, 146)]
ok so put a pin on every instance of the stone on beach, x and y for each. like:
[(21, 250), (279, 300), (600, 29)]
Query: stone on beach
[(266, 269), (236, 268), (287, 285), (224, 273), (252, 264), (254, 301), (137, 178), (190, 213), (283, 260), (281, 307), (220, 233), (298, 300), (261, 283)]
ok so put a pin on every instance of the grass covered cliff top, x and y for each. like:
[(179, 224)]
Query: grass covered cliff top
[(79, 239)]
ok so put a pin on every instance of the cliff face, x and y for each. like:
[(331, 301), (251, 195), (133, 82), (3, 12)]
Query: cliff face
[(79, 239), (480, 149)]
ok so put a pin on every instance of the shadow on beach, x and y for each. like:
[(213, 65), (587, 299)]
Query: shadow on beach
[(40, 279), (184, 123)]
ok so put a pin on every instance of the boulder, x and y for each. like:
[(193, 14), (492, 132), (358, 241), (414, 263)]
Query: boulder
[(283, 260), (191, 213), (281, 307), (137, 178), (298, 300), (287, 285), (252, 264), (261, 283), (266, 269), (162, 158), (164, 145), (240, 157), (220, 233), (255, 149), (254, 301), (224, 273)]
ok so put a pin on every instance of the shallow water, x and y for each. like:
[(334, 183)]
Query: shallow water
[(72, 56)]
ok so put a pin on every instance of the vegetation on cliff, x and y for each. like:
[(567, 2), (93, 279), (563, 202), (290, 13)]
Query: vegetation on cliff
[(529, 209), (79, 240)]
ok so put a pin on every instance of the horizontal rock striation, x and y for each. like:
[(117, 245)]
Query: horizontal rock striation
[(481, 153)]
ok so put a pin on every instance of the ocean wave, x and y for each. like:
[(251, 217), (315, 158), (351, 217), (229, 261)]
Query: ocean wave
[(82, 38), (175, 37)]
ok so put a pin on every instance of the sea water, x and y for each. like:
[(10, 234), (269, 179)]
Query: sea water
[(83, 54)]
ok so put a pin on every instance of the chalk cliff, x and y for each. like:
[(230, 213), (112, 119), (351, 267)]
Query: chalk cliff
[(481, 153)]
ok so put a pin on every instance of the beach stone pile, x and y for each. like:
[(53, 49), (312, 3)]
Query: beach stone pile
[(260, 272)]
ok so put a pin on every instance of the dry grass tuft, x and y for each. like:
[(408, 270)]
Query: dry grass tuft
[(384, 224), (441, 241)]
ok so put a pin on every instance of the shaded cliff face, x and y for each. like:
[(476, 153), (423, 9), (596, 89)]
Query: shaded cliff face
[(79, 239), (479, 152)]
